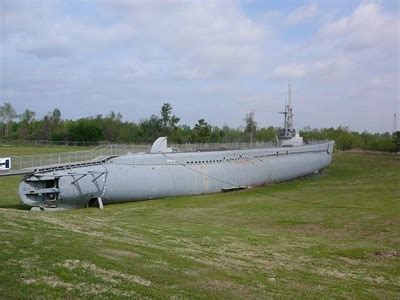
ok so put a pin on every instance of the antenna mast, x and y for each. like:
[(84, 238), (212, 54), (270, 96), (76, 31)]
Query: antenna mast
[(289, 117), (288, 136), (252, 127), (395, 128), (288, 130)]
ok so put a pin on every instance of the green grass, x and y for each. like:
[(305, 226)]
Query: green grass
[(334, 235)]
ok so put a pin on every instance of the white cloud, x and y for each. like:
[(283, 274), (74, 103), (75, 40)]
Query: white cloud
[(365, 41), (210, 59), (205, 39), (367, 26), (71, 38), (196, 40), (384, 81), (320, 69), (352, 65), (302, 14), (294, 70)]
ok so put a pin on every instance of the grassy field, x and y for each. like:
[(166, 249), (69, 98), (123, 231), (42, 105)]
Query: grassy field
[(333, 235)]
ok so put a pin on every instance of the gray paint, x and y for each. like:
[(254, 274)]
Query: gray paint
[(158, 175)]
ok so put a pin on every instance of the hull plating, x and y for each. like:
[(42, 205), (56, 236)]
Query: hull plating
[(148, 176)]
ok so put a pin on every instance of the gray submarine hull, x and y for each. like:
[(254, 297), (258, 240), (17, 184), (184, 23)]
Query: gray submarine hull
[(143, 176)]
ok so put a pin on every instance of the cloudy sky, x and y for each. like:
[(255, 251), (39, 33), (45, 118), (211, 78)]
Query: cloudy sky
[(216, 60)]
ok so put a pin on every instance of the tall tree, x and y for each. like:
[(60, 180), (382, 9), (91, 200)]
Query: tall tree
[(110, 126), (56, 116), (46, 130), (168, 120), (202, 131), (151, 128), (55, 125), (396, 141), (250, 126), (83, 130), (7, 114), (27, 118), (265, 134)]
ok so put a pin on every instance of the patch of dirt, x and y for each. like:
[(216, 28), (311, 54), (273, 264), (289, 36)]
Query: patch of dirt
[(392, 253), (85, 229), (106, 275), (354, 274), (230, 288), (52, 281), (83, 288), (116, 254), (32, 274)]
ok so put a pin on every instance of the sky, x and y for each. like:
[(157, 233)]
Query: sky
[(216, 60)]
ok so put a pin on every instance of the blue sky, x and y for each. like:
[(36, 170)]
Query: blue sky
[(216, 60)]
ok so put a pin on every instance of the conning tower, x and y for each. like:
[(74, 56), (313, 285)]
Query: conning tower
[(289, 137)]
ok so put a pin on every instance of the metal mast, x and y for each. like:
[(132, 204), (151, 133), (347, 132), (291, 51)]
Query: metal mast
[(395, 127), (289, 131), (289, 119), (252, 127)]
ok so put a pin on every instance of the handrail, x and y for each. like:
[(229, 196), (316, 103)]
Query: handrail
[(19, 163)]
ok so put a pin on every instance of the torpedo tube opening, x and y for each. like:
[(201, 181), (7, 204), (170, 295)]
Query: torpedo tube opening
[(39, 191)]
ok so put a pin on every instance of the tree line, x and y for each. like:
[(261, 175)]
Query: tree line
[(111, 128)]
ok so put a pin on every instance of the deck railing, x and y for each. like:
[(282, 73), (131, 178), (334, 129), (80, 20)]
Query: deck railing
[(19, 163), (30, 161)]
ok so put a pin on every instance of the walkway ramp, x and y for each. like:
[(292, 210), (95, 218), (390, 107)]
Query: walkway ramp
[(29, 164)]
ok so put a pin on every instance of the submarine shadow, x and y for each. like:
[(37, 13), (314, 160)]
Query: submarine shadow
[(18, 206), (141, 200)]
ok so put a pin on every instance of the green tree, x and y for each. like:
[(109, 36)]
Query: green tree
[(56, 116), (46, 127), (180, 135), (217, 135), (396, 141), (110, 126), (266, 134), (151, 128), (202, 131), (56, 132), (250, 127), (250, 124), (84, 130), (168, 121), (231, 135), (7, 115), (27, 118)]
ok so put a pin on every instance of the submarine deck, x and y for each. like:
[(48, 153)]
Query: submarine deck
[(32, 164)]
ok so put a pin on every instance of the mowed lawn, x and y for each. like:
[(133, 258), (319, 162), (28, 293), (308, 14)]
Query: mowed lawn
[(333, 235)]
